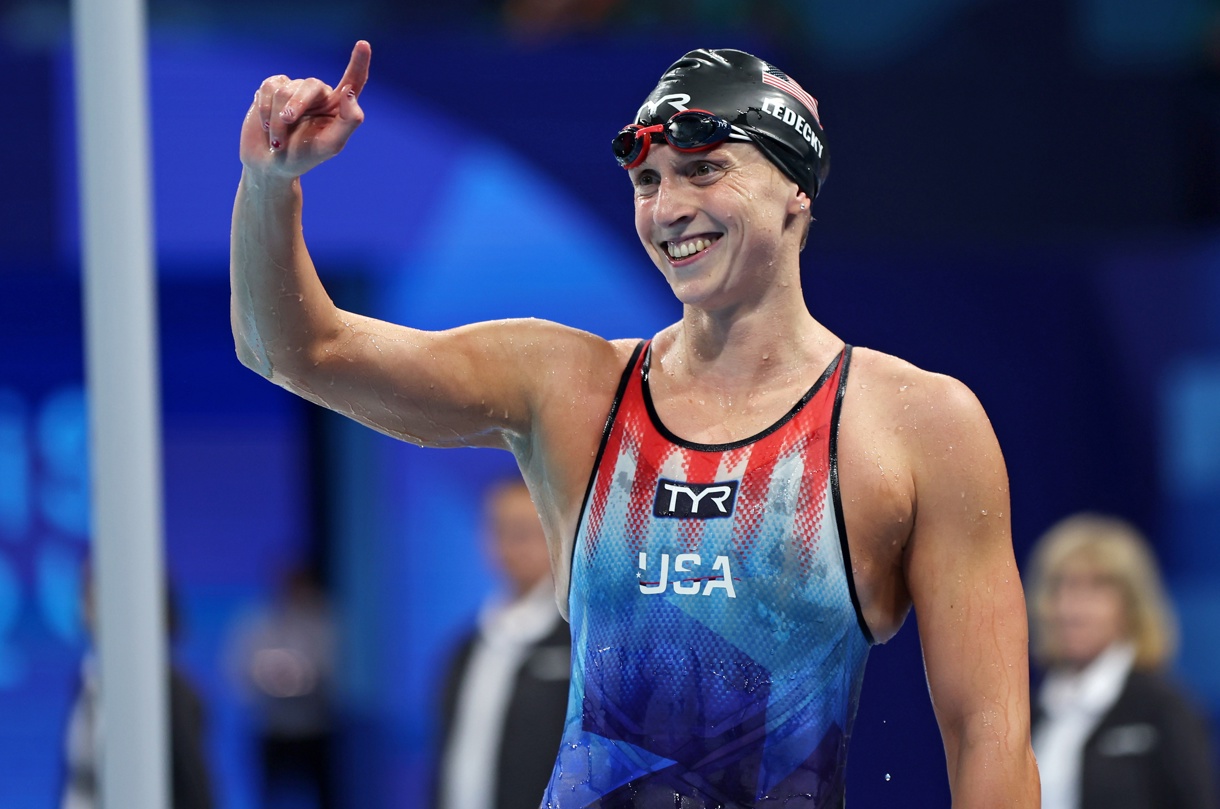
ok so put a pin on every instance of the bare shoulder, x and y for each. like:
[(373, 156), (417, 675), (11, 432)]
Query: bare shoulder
[(570, 378), (877, 368), (579, 375), (588, 350), (574, 376), (955, 566), (901, 397), (937, 433), (918, 458), (545, 355), (566, 357), (542, 338)]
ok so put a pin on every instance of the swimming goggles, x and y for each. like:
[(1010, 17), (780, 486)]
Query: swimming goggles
[(686, 131)]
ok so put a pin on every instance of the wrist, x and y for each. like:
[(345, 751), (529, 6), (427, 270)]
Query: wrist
[(269, 184)]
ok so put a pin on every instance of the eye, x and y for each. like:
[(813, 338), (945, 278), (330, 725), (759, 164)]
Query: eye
[(645, 183), (704, 170)]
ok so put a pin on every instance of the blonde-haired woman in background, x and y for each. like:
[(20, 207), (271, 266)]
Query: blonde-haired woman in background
[(1110, 730)]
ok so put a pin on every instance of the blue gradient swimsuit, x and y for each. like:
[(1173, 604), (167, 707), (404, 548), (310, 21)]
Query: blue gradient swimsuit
[(717, 642)]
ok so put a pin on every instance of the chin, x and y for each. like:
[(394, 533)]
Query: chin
[(1079, 658), (688, 295)]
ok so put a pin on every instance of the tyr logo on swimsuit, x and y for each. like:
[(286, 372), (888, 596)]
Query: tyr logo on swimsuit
[(699, 501)]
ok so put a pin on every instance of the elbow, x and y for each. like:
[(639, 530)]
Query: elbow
[(295, 370), (259, 364), (251, 352), (291, 358)]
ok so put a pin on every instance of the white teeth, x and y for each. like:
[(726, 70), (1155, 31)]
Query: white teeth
[(684, 249)]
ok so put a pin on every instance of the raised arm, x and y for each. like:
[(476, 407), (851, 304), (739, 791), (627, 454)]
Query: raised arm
[(478, 385), (291, 126), (968, 599)]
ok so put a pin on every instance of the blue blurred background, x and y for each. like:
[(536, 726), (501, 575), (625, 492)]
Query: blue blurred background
[(1024, 194)]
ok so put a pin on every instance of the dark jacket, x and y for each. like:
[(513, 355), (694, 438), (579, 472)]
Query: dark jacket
[(189, 774), (533, 722), (1152, 750), (190, 778)]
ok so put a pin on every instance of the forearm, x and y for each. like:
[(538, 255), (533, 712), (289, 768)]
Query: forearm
[(995, 772), (279, 310), (982, 705)]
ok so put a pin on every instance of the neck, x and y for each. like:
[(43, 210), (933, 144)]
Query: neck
[(749, 345), (1119, 650)]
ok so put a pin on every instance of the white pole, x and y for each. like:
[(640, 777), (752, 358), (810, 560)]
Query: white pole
[(109, 40)]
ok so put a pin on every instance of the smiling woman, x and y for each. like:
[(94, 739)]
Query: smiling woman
[(711, 96), (722, 225), (718, 534)]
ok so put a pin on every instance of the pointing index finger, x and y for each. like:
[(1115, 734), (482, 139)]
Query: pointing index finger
[(357, 73)]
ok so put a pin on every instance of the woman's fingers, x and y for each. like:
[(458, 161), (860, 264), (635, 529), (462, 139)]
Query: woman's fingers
[(293, 102), (264, 96), (327, 116), (357, 73), (350, 115)]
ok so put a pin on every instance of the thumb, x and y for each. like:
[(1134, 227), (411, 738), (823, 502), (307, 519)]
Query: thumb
[(349, 106), (350, 115)]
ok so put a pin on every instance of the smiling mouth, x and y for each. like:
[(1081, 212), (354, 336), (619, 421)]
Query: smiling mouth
[(689, 247)]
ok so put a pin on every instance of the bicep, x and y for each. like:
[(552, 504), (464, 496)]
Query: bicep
[(964, 582), (474, 385)]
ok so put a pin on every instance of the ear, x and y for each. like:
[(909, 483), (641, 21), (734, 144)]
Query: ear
[(799, 203)]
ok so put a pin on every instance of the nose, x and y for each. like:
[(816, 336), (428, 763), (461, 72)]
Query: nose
[(674, 203)]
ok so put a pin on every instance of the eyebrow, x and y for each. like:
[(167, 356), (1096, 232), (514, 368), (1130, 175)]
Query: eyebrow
[(682, 159), (718, 149), (717, 152)]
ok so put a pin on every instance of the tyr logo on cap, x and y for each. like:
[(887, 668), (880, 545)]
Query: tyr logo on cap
[(676, 100)]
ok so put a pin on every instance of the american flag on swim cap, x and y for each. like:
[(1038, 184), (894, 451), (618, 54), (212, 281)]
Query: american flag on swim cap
[(778, 79)]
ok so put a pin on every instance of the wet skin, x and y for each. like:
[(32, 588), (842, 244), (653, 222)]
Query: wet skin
[(730, 196), (924, 487)]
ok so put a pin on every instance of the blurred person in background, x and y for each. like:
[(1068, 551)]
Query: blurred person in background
[(506, 692), (1110, 729), (283, 658), (84, 737)]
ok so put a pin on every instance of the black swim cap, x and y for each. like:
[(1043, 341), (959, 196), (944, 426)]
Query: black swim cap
[(775, 113)]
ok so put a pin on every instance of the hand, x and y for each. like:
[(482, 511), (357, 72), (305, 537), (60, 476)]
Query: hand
[(295, 124)]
